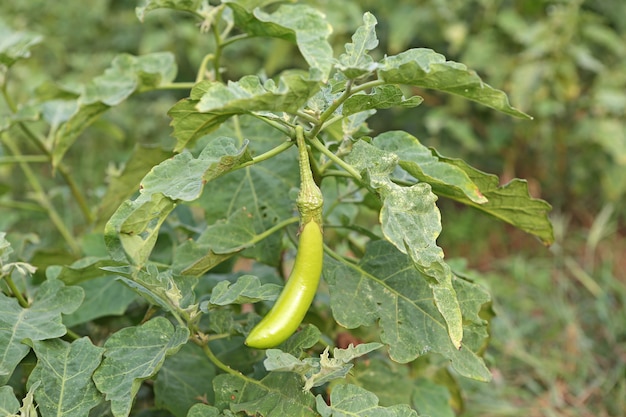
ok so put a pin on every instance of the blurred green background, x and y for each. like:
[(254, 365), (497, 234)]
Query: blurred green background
[(559, 340)]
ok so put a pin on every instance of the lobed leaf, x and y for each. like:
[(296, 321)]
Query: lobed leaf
[(382, 97), (133, 355), (277, 395), (64, 372), (356, 61), (411, 221), (247, 289), (305, 26), (40, 321), (15, 45), (351, 400), (425, 68), (385, 287)]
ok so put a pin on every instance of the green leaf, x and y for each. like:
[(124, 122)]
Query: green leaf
[(104, 296), (211, 103), (8, 403), (425, 68), (385, 287), (15, 45), (123, 185), (411, 221), (247, 289), (318, 371), (356, 61), (184, 380), (510, 202), (64, 371), (133, 229), (430, 399), (133, 355), (392, 383), (128, 74), (420, 162), (382, 97), (203, 410), (277, 395), (28, 408), (82, 270), (351, 400), (182, 5), (40, 321), (298, 23)]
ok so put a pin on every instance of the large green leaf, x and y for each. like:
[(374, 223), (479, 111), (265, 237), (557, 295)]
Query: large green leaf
[(385, 287), (133, 229), (9, 405), (425, 68), (128, 74), (298, 23), (64, 372), (40, 321), (133, 355), (411, 221), (277, 395), (351, 400), (211, 103), (184, 380)]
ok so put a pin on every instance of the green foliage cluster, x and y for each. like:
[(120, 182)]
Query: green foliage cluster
[(149, 191)]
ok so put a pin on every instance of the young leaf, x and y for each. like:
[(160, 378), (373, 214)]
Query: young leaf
[(425, 68), (382, 97), (203, 410), (183, 5), (356, 61), (346, 399), (40, 321), (133, 355), (510, 202), (298, 23), (64, 371), (15, 45), (418, 160), (184, 380), (278, 394), (385, 287), (411, 221)]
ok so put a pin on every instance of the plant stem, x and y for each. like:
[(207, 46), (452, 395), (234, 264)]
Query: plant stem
[(42, 197), (323, 149), (16, 292), (331, 109), (24, 158), (205, 61), (274, 229), (176, 86), (267, 155)]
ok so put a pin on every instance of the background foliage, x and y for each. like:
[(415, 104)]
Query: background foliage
[(558, 344)]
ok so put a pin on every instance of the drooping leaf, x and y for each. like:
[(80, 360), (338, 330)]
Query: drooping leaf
[(277, 395), (411, 221), (246, 289), (15, 45), (419, 161), (299, 23), (356, 61), (510, 202), (184, 380), (182, 5), (133, 355), (211, 103), (40, 321), (64, 371), (385, 287), (132, 231), (127, 74), (351, 400), (382, 97), (425, 68)]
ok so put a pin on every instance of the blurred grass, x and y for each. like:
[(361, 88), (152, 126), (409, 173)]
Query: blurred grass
[(558, 343)]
